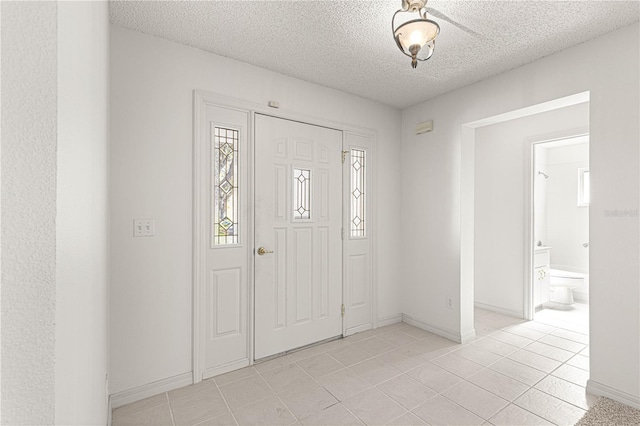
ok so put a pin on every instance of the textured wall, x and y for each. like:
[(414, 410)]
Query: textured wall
[(28, 211)]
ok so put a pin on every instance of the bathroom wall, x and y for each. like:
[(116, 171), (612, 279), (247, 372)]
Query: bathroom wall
[(567, 224)]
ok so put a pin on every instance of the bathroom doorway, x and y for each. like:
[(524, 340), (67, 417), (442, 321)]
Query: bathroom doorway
[(560, 217)]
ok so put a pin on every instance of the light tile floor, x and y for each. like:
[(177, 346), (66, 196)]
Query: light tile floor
[(515, 373), (572, 317)]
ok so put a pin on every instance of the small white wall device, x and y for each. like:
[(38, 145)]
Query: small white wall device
[(424, 127)]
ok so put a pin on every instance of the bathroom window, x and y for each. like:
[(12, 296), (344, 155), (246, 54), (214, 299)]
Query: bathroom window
[(584, 187)]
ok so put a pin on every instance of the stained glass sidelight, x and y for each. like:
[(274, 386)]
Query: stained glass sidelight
[(225, 186), (301, 194), (358, 200)]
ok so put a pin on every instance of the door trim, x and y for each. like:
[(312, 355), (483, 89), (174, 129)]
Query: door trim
[(202, 99), (529, 171)]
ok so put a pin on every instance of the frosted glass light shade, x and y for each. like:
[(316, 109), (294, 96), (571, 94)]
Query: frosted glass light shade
[(417, 32)]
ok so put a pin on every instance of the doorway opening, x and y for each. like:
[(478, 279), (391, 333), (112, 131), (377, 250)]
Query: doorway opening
[(505, 252), (560, 216)]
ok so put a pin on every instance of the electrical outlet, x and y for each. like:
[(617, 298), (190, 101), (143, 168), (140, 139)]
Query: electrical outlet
[(449, 302), (143, 228)]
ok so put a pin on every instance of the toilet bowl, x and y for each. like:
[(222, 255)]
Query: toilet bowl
[(562, 284)]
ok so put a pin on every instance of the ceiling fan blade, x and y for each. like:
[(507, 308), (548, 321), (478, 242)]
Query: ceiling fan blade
[(436, 13)]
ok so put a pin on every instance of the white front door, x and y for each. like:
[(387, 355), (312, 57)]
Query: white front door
[(298, 246)]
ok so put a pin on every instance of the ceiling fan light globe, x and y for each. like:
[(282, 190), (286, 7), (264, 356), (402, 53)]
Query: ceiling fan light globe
[(419, 31)]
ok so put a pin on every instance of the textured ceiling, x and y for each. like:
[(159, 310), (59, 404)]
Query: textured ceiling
[(347, 45)]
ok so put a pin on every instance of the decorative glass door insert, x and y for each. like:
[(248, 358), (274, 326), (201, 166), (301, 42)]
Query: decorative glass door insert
[(225, 186), (301, 194), (357, 193)]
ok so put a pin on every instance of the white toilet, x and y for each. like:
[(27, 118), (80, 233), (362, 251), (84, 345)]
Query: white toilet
[(562, 284)]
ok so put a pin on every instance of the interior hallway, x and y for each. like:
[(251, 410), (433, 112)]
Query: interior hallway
[(515, 372)]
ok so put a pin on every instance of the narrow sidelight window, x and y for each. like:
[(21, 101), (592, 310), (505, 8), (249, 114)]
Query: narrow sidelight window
[(358, 200), (225, 186)]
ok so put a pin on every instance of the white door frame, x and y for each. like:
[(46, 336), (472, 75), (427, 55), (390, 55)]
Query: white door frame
[(201, 99), (529, 229)]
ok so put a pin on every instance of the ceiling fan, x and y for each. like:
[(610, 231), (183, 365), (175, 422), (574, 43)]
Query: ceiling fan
[(416, 36)]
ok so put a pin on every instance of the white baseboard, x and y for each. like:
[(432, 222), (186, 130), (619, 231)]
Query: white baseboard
[(358, 329), (440, 331), (141, 392), (235, 365), (598, 389), (498, 310), (468, 336), (392, 319)]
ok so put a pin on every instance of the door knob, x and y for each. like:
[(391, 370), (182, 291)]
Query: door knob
[(262, 251)]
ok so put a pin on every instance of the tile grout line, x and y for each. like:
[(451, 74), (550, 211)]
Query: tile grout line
[(337, 399), (225, 402), (297, 419), (536, 383), (370, 386), (395, 347), (173, 420)]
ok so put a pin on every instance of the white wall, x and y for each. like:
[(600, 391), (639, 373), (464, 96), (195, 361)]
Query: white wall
[(28, 212), (82, 214), (54, 228), (151, 176), (499, 202), (431, 192), (567, 224)]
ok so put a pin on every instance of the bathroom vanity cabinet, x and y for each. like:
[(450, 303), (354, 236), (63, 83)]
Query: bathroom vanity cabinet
[(541, 275)]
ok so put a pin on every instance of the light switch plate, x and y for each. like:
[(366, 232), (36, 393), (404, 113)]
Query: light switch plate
[(143, 228)]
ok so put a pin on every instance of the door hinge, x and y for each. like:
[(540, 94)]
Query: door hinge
[(342, 309), (344, 155), (342, 233)]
